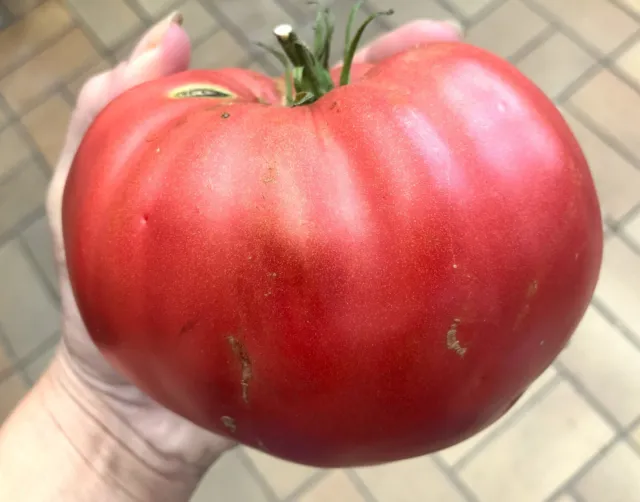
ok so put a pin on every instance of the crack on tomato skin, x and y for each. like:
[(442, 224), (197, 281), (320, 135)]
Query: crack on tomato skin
[(240, 351), (452, 339), (229, 423)]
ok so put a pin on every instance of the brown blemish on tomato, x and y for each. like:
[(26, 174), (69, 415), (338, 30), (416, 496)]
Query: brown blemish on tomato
[(452, 339), (240, 351), (225, 115), (270, 176)]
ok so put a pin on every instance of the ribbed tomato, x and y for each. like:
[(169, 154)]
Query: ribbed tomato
[(374, 274)]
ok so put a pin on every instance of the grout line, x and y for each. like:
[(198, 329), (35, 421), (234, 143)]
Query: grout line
[(257, 476), (137, 9), (485, 12), (452, 475), (361, 486), (631, 244), (589, 397), (609, 316), (314, 480), (507, 423), (22, 224), (532, 44), (37, 269), (584, 469), (454, 10), (629, 215), (90, 33), (48, 343), (7, 18), (574, 493), (6, 346), (626, 9)]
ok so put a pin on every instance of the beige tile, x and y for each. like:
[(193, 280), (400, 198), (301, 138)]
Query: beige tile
[(76, 84), (43, 72), (47, 125), (632, 229), (198, 22), (12, 391), (601, 24), (229, 480), (156, 8), (499, 33), (31, 33), (284, 477), (409, 10), (458, 452), (615, 478), (635, 436), (471, 7), (618, 285), (617, 181), (4, 118), (532, 458), (555, 64), (27, 314), (256, 18), (111, 24), (564, 498), (629, 62), (221, 50), (13, 148), (607, 364), (336, 487), (610, 103), (20, 195), (408, 481), (634, 5)]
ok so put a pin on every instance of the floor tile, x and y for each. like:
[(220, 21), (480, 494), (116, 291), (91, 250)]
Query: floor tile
[(221, 50), (198, 22), (283, 477), (629, 62), (157, 8), (408, 481), (47, 124), (615, 478), (634, 5), (632, 229), (4, 118), (618, 286), (607, 364), (409, 10), (27, 314), (112, 25), (617, 181), (555, 64), (14, 149), (609, 102), (635, 435), (455, 454), (32, 33), (471, 7), (255, 18), (564, 498), (76, 84), (336, 487), (599, 23), (499, 33), (21, 193), (38, 366), (38, 240), (57, 63), (229, 480), (532, 458), (12, 391)]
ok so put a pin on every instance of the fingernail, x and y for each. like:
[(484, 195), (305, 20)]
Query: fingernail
[(456, 25), (153, 38)]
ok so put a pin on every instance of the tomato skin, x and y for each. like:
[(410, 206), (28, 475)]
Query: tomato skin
[(372, 277)]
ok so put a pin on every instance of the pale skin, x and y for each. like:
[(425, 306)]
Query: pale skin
[(83, 432)]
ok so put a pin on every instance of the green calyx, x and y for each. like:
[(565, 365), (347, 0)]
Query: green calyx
[(307, 72)]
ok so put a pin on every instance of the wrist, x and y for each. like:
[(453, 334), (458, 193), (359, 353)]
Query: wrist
[(87, 450)]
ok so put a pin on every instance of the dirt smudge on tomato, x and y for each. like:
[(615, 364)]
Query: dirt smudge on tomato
[(240, 351), (229, 423), (452, 339), (270, 176)]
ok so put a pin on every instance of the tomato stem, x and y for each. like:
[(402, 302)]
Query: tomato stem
[(307, 73)]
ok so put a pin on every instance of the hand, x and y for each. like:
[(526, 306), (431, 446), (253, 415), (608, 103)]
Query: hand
[(164, 50)]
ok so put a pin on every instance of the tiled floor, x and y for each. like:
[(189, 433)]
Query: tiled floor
[(577, 435)]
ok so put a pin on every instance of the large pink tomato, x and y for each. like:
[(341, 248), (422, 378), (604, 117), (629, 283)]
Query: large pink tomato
[(374, 274)]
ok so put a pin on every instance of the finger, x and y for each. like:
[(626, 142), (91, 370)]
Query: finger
[(410, 35)]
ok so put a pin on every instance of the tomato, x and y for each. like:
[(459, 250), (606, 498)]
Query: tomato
[(376, 274)]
